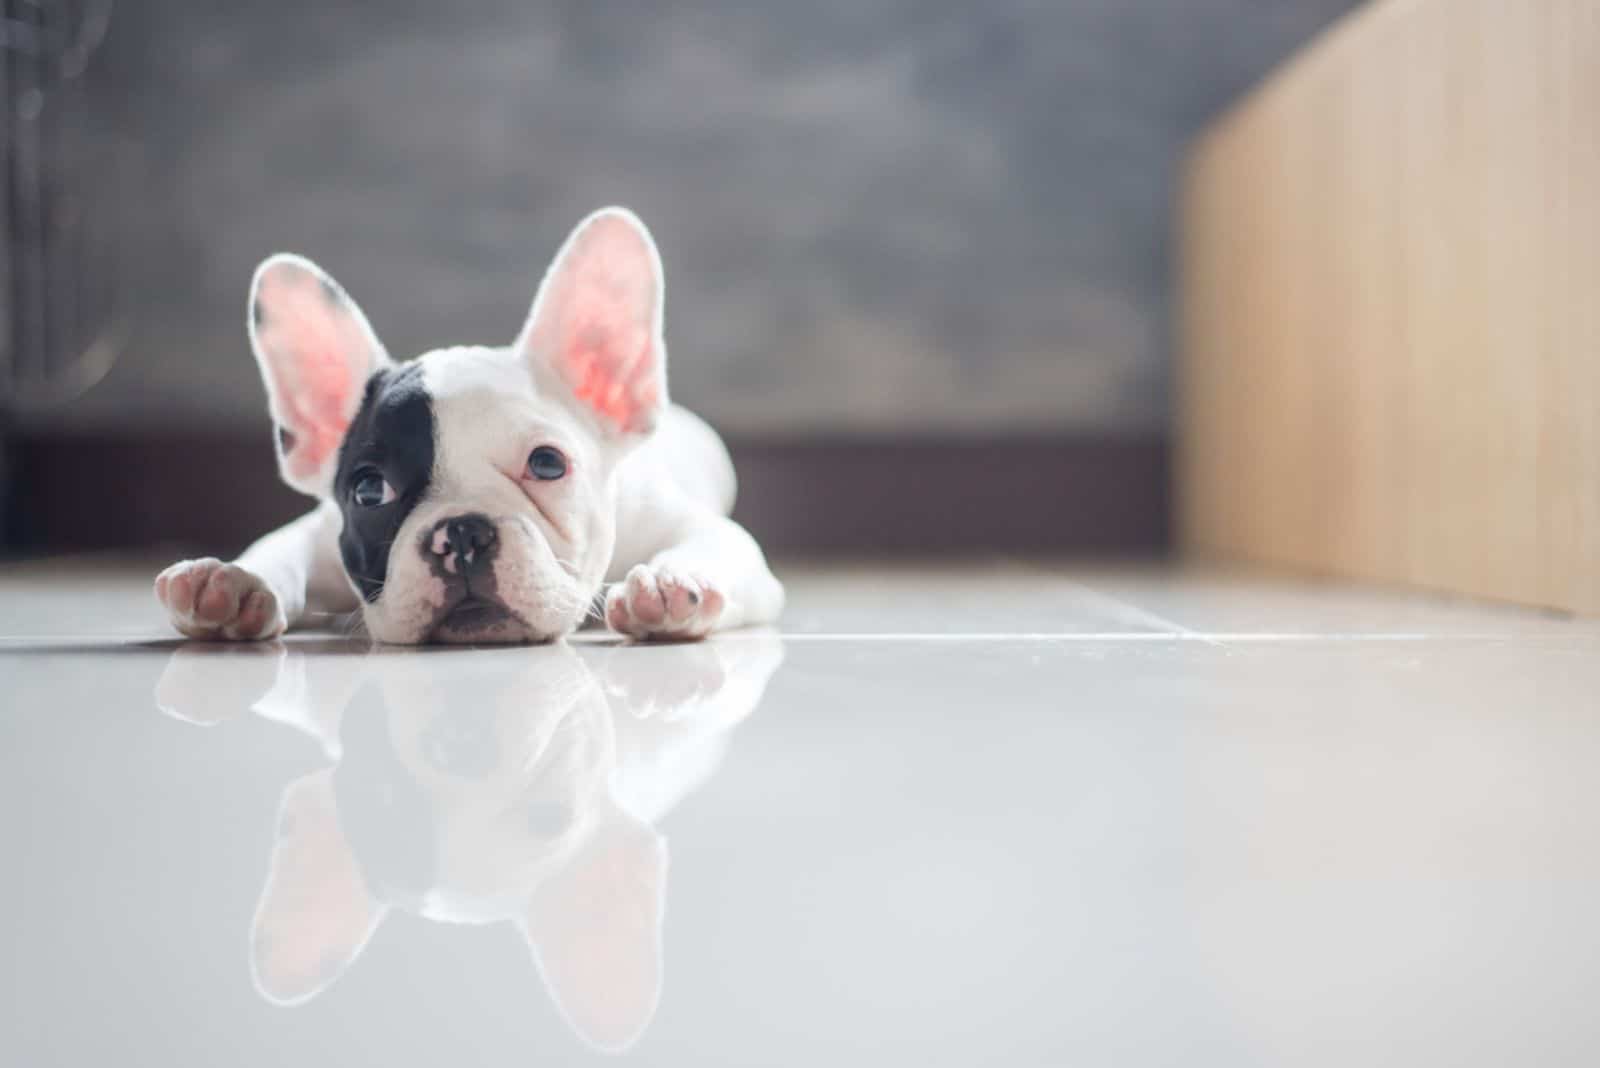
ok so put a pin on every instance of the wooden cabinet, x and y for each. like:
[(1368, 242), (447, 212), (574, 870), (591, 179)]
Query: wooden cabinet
[(1389, 317)]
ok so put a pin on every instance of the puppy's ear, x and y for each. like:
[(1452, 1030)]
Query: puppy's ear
[(315, 914), (595, 328), (595, 930), (316, 353)]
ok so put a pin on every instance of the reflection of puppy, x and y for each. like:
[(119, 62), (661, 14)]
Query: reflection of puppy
[(534, 803)]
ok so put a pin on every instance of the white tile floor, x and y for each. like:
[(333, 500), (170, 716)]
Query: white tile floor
[(1020, 815)]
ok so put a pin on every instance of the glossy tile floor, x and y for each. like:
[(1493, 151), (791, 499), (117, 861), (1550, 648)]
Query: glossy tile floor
[(1028, 816)]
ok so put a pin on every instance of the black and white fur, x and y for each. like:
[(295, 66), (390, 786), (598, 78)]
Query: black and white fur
[(487, 494)]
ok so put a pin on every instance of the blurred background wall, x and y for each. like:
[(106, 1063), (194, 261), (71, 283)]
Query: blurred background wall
[(889, 227)]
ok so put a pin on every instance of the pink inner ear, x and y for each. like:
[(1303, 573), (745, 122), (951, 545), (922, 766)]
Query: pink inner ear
[(596, 928), (611, 369), (599, 320), (315, 913), (317, 355), (315, 406)]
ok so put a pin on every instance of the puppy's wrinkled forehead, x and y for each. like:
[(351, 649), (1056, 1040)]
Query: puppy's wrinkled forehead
[(393, 434), (478, 394)]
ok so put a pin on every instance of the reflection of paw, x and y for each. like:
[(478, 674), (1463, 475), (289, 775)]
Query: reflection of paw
[(660, 602), (707, 683), (207, 684), (212, 600), (651, 681)]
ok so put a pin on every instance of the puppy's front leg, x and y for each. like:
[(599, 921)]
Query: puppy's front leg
[(267, 590), (713, 577)]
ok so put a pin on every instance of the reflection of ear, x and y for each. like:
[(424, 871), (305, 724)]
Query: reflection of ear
[(595, 929), (315, 913)]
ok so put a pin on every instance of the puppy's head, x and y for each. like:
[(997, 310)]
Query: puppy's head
[(477, 484)]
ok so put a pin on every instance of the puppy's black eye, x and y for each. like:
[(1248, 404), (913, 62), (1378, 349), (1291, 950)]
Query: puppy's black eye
[(546, 463), (370, 490)]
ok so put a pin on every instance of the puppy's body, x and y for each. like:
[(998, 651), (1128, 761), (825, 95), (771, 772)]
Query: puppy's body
[(481, 494)]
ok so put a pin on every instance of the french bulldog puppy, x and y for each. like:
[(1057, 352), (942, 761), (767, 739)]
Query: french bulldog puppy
[(487, 494), (533, 805)]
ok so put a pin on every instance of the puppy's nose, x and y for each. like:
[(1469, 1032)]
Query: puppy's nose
[(464, 541)]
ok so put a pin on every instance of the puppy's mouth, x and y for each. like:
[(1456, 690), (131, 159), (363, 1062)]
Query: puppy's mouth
[(475, 611), (475, 617)]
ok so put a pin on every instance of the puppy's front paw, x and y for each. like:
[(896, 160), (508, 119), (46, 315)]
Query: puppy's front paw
[(663, 603), (209, 599)]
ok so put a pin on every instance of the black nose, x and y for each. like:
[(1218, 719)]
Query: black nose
[(465, 537)]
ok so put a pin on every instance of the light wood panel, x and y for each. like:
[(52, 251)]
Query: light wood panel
[(1390, 270)]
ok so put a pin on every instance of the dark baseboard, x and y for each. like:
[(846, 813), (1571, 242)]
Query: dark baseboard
[(833, 496), (955, 495)]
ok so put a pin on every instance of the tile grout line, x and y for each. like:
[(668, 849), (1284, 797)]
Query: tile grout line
[(1219, 639), (1128, 612)]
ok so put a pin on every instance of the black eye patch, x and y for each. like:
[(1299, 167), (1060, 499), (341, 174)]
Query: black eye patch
[(384, 813), (392, 435)]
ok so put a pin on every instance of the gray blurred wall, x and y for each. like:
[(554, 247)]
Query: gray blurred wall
[(876, 216)]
